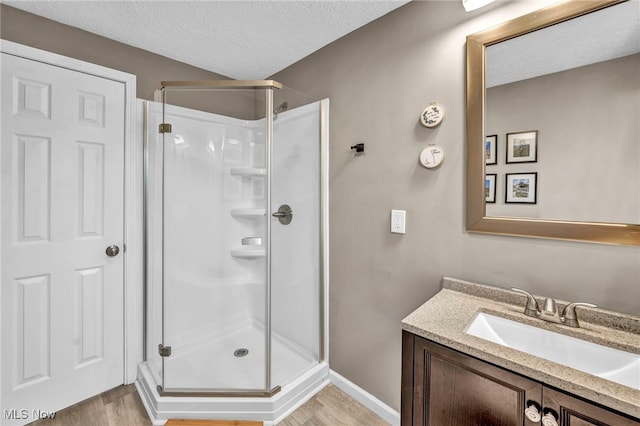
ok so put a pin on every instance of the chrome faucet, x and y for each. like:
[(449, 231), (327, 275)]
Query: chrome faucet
[(550, 311)]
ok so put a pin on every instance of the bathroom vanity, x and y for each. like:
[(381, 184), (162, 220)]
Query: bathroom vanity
[(451, 377)]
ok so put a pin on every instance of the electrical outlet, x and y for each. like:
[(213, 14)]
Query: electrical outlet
[(398, 221)]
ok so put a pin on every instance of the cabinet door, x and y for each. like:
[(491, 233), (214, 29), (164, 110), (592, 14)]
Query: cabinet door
[(570, 411), (453, 389)]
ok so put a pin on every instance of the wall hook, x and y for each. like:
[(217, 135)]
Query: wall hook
[(359, 147)]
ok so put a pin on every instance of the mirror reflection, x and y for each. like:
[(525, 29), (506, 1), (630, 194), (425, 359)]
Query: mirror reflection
[(562, 120)]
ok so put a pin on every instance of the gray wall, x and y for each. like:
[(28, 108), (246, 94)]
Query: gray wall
[(379, 79), (588, 127)]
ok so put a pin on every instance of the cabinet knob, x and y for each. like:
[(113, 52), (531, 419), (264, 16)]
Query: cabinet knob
[(532, 411), (550, 418)]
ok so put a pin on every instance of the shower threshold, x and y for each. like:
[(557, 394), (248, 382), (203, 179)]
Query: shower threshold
[(268, 410), (228, 394)]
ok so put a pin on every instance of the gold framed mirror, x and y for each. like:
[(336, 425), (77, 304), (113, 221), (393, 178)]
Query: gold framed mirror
[(477, 220)]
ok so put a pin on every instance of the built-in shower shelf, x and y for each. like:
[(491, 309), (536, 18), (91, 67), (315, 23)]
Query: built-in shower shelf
[(248, 252), (248, 171), (247, 212)]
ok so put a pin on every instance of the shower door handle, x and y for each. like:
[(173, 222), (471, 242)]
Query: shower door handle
[(284, 214), (281, 214)]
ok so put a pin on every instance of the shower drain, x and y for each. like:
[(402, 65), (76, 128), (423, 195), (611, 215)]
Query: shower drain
[(241, 352)]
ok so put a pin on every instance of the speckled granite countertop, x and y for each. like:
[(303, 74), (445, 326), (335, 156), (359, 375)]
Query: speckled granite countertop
[(445, 317)]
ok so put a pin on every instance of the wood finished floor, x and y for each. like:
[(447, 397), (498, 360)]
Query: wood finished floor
[(119, 406), (122, 407)]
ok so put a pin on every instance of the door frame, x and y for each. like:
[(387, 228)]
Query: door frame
[(133, 237)]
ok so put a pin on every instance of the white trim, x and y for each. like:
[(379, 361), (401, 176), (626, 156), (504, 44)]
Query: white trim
[(301, 400), (387, 413), (132, 195), (134, 238)]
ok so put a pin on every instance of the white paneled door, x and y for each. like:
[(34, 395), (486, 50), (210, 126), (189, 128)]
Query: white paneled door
[(62, 156)]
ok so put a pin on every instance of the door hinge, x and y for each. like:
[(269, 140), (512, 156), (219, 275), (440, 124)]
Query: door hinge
[(164, 350), (165, 128)]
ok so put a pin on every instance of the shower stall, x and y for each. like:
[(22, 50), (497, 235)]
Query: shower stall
[(236, 296)]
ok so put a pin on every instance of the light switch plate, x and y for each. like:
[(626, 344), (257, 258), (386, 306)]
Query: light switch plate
[(398, 221)]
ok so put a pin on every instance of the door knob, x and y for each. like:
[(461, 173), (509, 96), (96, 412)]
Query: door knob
[(112, 250)]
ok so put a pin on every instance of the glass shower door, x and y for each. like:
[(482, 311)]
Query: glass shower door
[(215, 321), (296, 249)]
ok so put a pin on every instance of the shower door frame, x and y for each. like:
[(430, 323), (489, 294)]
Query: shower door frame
[(268, 86)]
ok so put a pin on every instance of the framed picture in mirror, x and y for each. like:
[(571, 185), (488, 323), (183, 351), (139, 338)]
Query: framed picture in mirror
[(521, 188), (491, 150), (490, 187), (522, 147), (523, 43)]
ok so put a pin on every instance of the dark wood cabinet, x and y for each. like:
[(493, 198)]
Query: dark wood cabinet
[(443, 387), (577, 412)]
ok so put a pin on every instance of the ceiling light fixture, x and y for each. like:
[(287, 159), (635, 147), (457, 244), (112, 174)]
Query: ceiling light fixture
[(470, 5)]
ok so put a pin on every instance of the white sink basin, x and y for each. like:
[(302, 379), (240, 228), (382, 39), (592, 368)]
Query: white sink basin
[(608, 363)]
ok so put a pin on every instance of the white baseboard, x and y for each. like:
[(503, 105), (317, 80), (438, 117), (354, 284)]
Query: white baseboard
[(387, 413)]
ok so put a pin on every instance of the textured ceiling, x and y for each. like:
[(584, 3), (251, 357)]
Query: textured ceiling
[(238, 39), (610, 33)]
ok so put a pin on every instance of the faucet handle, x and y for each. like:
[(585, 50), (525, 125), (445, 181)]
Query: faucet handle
[(531, 309), (569, 315)]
